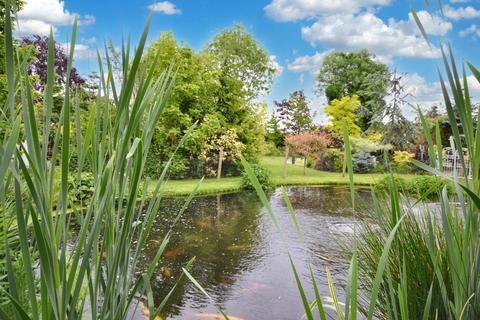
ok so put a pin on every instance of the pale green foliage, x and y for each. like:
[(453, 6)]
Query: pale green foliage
[(342, 111), (356, 73), (367, 145), (227, 141), (242, 59)]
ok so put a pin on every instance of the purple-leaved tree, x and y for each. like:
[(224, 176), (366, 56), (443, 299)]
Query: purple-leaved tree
[(39, 64)]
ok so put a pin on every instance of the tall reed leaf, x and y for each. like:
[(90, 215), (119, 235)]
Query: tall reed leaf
[(81, 260)]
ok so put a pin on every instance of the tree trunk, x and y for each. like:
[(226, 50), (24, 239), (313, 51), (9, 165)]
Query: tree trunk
[(344, 167), (220, 160), (285, 163), (304, 166)]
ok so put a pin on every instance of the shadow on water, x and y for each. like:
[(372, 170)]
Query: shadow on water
[(240, 259)]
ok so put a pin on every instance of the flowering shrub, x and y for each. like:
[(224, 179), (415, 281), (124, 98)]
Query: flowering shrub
[(232, 147)]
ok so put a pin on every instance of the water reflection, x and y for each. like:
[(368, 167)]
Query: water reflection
[(241, 260)]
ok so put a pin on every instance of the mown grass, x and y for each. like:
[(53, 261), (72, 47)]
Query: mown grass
[(295, 176)]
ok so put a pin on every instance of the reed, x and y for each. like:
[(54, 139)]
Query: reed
[(415, 262), (91, 272)]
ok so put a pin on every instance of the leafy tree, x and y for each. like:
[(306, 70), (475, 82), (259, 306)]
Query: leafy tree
[(203, 94), (39, 65), (307, 144), (274, 133), (344, 110), (295, 114), (356, 73), (241, 59)]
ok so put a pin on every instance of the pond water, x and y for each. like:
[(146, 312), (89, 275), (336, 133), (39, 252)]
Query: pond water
[(240, 259)]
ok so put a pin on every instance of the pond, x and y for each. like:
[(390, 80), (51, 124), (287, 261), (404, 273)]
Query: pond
[(241, 260)]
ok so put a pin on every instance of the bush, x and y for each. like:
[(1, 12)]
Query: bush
[(427, 186), (263, 175), (80, 191), (422, 186), (330, 160), (363, 162), (402, 161), (311, 161), (270, 149)]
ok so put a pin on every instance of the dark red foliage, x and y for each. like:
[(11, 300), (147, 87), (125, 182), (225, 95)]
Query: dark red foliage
[(334, 140), (39, 65)]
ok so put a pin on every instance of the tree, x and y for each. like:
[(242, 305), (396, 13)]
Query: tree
[(240, 58), (342, 111), (294, 113), (226, 144), (356, 73), (205, 95), (274, 133), (398, 131), (307, 144), (39, 65)]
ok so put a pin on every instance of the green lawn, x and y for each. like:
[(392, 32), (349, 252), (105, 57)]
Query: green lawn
[(295, 176)]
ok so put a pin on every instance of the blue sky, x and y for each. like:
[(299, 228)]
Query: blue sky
[(296, 33)]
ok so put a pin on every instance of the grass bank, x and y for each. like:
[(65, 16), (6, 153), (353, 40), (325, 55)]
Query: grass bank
[(295, 176)]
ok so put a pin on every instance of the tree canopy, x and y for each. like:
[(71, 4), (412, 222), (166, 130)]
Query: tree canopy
[(398, 130), (209, 90), (342, 111), (240, 58), (294, 113), (38, 66), (356, 73)]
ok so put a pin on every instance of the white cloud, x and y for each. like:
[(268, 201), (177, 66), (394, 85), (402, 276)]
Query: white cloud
[(38, 16), (422, 92), (293, 10), (461, 12), (308, 63), (365, 30), (82, 51), (473, 30), (165, 7), (49, 11), (426, 94), (301, 79), (274, 63), (433, 24), (29, 26), (473, 87), (87, 20), (90, 40)]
